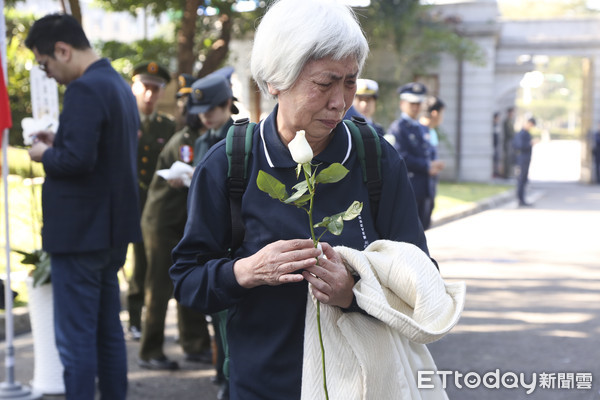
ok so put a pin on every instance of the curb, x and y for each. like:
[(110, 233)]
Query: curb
[(473, 208)]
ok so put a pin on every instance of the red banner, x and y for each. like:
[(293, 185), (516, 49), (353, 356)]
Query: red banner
[(5, 116)]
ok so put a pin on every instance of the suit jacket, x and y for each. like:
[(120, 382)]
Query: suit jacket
[(90, 195)]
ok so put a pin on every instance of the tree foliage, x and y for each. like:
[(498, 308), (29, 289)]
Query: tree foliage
[(125, 56), (202, 40), (416, 34), (19, 61)]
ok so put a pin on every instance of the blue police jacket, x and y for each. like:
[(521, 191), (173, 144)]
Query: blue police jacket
[(415, 148), (90, 194), (265, 326), (523, 145)]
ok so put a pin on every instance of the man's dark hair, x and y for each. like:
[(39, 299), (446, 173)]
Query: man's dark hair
[(52, 28), (434, 103)]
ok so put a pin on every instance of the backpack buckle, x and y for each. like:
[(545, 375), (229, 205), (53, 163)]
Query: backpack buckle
[(241, 121)]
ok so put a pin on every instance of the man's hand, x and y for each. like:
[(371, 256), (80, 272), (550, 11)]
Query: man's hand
[(435, 167), (37, 150)]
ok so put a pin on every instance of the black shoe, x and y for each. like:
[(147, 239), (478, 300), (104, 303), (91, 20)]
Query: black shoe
[(134, 333), (525, 204), (204, 357), (162, 363), (223, 393)]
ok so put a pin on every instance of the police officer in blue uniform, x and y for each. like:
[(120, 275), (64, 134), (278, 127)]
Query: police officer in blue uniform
[(213, 101), (215, 107), (411, 139)]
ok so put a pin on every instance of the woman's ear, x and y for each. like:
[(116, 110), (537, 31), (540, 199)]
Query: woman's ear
[(272, 90)]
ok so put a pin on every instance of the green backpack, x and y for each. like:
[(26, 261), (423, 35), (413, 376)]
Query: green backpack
[(239, 146)]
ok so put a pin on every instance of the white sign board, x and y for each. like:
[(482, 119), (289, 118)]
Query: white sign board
[(44, 94)]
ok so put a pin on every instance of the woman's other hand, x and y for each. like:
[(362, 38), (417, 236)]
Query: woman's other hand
[(331, 281)]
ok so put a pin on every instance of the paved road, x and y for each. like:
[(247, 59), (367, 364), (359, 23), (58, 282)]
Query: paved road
[(533, 295)]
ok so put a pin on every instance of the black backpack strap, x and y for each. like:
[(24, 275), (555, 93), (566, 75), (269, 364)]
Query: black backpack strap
[(368, 147), (238, 146)]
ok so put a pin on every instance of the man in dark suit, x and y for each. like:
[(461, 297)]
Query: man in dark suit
[(90, 205), (522, 144)]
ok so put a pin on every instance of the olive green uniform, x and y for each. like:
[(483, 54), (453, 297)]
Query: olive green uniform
[(155, 132), (163, 222)]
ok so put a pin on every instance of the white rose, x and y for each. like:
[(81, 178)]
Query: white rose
[(300, 149)]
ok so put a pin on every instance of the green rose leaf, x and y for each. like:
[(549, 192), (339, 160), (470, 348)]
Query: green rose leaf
[(353, 211), (271, 185), (333, 173), (301, 186), (302, 200), (300, 191), (334, 224)]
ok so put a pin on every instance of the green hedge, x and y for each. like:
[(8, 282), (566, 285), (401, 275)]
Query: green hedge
[(20, 164)]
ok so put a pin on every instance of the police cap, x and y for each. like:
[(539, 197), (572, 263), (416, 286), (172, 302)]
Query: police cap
[(413, 92), (225, 72), (151, 73), (367, 87), (208, 92)]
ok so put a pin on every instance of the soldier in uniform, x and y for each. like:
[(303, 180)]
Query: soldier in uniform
[(411, 139), (365, 102), (163, 221), (148, 82)]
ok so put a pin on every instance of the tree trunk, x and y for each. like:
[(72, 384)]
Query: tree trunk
[(185, 37), (76, 10), (220, 48)]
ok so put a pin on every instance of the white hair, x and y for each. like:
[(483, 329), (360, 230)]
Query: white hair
[(294, 32)]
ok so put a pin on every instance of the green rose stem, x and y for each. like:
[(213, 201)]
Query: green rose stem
[(311, 190)]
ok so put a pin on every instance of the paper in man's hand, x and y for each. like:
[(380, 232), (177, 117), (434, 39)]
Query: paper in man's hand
[(179, 170)]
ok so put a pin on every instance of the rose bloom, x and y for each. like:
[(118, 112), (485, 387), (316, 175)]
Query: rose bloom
[(300, 149)]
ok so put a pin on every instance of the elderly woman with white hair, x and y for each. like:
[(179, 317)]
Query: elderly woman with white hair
[(308, 55)]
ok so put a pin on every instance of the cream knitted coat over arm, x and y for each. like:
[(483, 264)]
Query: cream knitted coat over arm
[(377, 357)]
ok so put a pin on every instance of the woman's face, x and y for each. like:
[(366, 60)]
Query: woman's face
[(365, 105), (215, 117), (317, 101)]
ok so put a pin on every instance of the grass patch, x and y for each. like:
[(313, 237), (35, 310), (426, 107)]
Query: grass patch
[(451, 195)]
